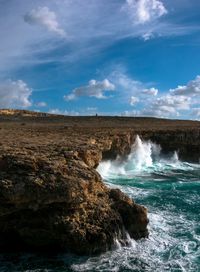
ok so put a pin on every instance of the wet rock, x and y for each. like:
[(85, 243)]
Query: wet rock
[(134, 216)]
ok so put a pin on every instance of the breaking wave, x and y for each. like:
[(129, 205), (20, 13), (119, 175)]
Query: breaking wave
[(145, 157)]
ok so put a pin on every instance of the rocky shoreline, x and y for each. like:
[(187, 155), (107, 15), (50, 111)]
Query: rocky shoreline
[(51, 196)]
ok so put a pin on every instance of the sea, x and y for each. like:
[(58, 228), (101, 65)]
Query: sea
[(170, 189)]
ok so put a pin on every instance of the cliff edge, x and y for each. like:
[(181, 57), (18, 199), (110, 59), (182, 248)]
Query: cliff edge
[(51, 196)]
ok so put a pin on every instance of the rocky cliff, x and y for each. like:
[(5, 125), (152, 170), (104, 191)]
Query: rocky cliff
[(51, 196)]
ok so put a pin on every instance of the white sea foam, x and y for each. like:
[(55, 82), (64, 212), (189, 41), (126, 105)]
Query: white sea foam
[(145, 157), (163, 251)]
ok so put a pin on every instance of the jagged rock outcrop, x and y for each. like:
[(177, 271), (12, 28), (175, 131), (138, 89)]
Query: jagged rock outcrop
[(58, 203), (51, 196)]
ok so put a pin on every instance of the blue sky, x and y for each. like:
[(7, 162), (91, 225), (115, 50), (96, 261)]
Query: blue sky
[(116, 57)]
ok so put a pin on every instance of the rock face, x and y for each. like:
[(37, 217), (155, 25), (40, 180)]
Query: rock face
[(58, 203), (51, 196)]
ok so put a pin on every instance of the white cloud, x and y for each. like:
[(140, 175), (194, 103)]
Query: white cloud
[(41, 104), (167, 105), (148, 35), (15, 94), (126, 85), (125, 82), (144, 11), (64, 112), (151, 91), (130, 90), (134, 100), (44, 17), (192, 88), (93, 89)]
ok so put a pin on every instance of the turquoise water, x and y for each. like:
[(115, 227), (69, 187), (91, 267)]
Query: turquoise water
[(170, 189)]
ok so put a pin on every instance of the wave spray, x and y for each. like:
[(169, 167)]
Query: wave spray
[(145, 156)]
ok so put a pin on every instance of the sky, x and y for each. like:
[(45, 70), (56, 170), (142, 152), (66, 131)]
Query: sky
[(110, 57)]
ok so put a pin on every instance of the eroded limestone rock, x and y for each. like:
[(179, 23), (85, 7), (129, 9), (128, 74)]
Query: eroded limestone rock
[(62, 203)]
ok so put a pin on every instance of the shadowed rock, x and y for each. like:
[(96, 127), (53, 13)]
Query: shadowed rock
[(62, 203)]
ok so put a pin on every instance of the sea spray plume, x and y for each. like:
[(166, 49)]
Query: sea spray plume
[(140, 156), (175, 158), (145, 156)]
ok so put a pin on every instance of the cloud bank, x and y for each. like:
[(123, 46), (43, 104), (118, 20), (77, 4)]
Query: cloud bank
[(192, 88), (173, 103), (166, 106)]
